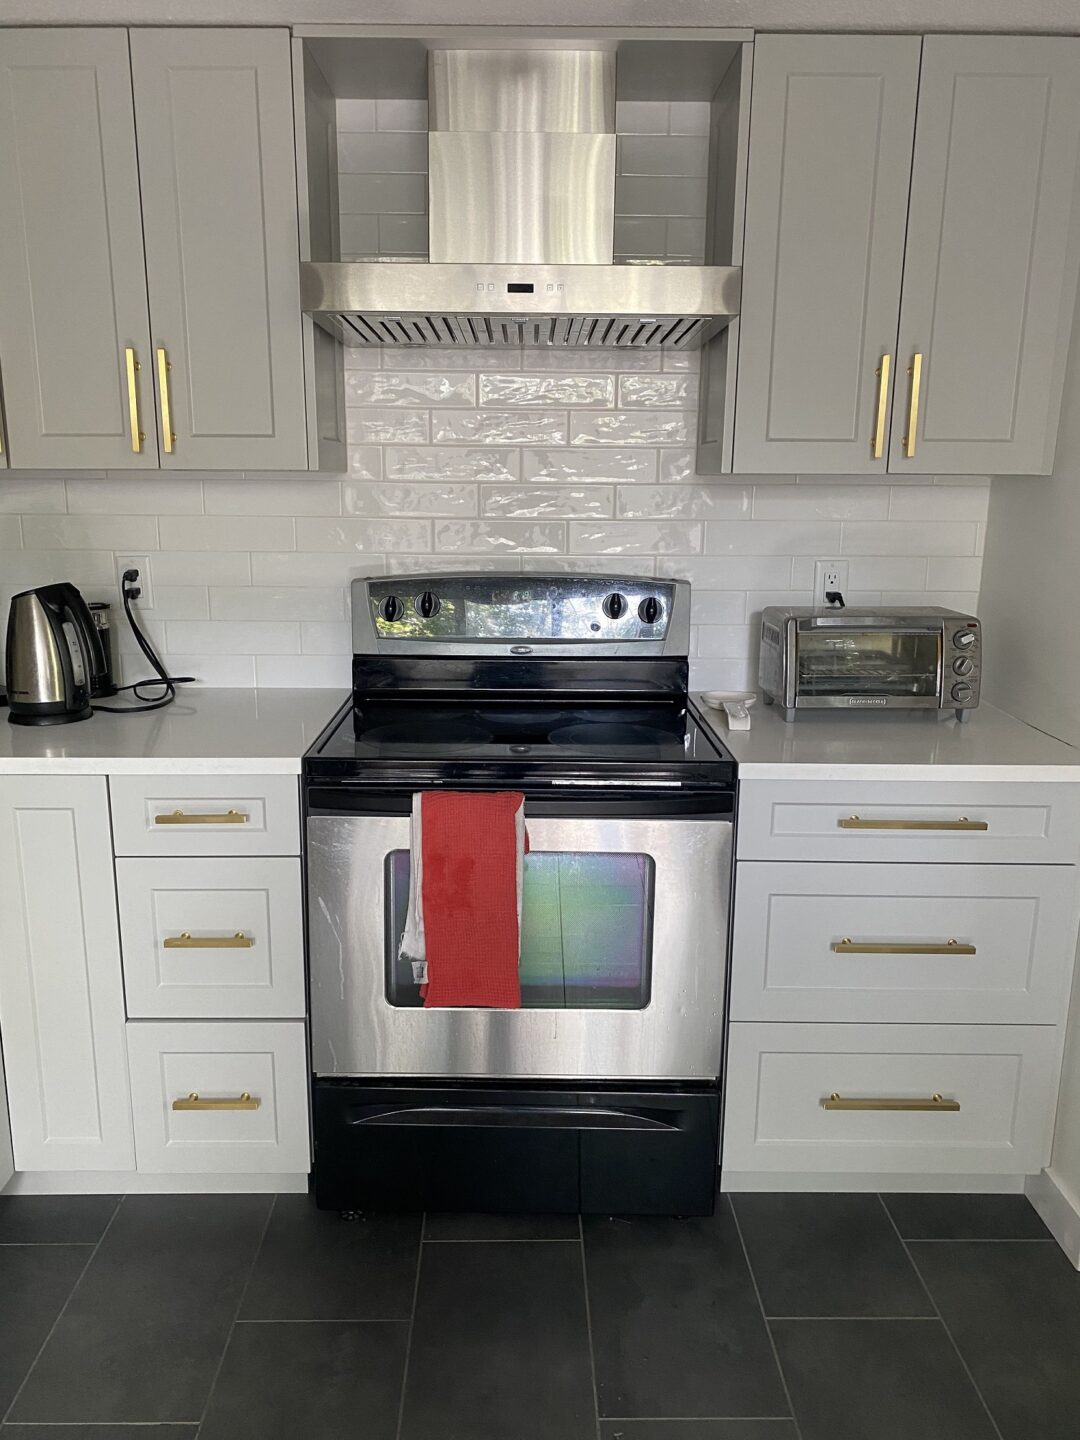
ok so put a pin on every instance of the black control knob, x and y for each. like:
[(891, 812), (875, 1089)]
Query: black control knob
[(649, 610), (392, 608), (614, 607), (428, 605)]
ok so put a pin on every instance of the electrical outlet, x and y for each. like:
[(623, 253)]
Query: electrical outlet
[(829, 576), (142, 564)]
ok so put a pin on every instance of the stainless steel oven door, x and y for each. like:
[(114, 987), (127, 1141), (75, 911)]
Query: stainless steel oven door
[(624, 950)]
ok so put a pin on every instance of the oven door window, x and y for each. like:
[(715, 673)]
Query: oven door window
[(586, 931), (867, 662)]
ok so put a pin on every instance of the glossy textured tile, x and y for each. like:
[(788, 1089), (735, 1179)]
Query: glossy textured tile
[(378, 536), (333, 1381), (35, 1282), (683, 502), (365, 462), (630, 427), (143, 1333), (1014, 1310), (409, 387), (458, 1227), (325, 567), (55, 1219), (878, 1380), (828, 1255), (394, 498), (502, 1329), (451, 464), (538, 501), (484, 537), (551, 389), (733, 572), (590, 564), (445, 564), (315, 1266), (602, 465), (676, 466), (663, 391), (579, 359), (677, 1330), (500, 427), (633, 537), (435, 357), (387, 426)]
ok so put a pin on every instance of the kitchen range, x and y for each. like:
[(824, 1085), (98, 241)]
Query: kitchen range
[(602, 1091)]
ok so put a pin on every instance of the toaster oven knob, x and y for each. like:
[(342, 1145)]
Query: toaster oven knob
[(614, 606), (428, 604), (649, 610), (964, 639), (961, 692), (392, 608), (963, 665)]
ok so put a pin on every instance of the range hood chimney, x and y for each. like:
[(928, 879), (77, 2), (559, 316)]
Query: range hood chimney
[(521, 203)]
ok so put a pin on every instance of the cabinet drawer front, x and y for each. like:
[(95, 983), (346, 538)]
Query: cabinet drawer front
[(219, 1097), (990, 943), (219, 938), (909, 820), (205, 814), (1001, 1077)]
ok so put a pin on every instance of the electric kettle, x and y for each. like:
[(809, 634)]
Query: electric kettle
[(54, 656)]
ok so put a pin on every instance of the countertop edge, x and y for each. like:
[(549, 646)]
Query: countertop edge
[(136, 765)]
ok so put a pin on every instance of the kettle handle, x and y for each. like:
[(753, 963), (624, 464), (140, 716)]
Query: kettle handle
[(74, 607)]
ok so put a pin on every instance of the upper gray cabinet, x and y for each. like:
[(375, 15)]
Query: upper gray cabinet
[(992, 256), (831, 133), (73, 316), (149, 260), (909, 266), (214, 119)]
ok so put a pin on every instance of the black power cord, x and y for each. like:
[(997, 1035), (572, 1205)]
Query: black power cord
[(129, 591)]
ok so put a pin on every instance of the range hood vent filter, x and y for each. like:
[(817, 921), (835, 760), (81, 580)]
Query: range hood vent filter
[(493, 331)]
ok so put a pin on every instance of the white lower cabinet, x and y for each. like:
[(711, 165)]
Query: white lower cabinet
[(861, 1098), (219, 1096)]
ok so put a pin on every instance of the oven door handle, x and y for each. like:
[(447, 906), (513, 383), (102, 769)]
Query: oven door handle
[(516, 1117)]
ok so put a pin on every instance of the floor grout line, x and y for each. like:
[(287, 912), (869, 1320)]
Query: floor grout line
[(944, 1326), (236, 1314), (63, 1308), (588, 1324), (412, 1326), (697, 1419), (915, 1319), (765, 1319), (510, 1240), (332, 1320), (976, 1239)]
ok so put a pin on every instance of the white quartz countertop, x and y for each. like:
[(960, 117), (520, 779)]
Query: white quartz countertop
[(917, 745), (204, 732)]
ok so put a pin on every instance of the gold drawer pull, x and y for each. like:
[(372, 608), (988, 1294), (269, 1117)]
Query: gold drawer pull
[(838, 1102), (854, 822), (859, 947), (186, 941), (194, 1102), (181, 817)]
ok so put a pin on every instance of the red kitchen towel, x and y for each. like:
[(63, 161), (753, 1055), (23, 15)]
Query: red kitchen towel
[(472, 855)]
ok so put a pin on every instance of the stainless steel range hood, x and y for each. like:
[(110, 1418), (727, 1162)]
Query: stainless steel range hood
[(521, 188)]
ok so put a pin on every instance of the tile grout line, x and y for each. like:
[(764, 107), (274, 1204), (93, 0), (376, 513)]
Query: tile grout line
[(588, 1324), (724, 1199), (63, 1308), (236, 1314), (412, 1326), (937, 1312)]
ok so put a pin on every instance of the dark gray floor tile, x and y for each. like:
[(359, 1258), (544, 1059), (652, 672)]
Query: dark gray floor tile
[(677, 1330), (501, 1227), (99, 1432), (500, 1345), (1014, 1311), (828, 1255), (698, 1430), (331, 1381), (34, 1283), (966, 1217), (315, 1266), (143, 1333), (878, 1380), (54, 1219)]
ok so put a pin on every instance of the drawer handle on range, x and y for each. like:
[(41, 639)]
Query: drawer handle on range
[(859, 947), (186, 941), (838, 1102), (181, 817), (853, 822), (195, 1102)]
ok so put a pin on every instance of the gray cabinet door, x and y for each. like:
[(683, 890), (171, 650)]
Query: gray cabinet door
[(214, 120), (832, 122), (72, 277), (992, 254)]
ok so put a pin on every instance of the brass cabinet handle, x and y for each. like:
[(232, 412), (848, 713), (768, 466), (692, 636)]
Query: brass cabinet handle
[(186, 941), (182, 817), (935, 1102), (168, 439), (133, 366), (915, 372), (853, 822), (195, 1102), (858, 947), (878, 447)]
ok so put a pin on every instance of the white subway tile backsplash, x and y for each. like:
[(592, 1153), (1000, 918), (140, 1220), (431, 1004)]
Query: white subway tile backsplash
[(547, 390), (633, 537), (406, 498), (443, 564), (683, 502), (689, 117), (659, 195), (404, 235), (227, 637), (907, 537), (486, 537), (630, 427), (214, 671), (601, 465), (194, 567), (734, 572), (677, 466), (256, 602), (880, 572), (385, 194), (399, 115), (377, 536), (719, 608), (223, 532), (389, 153), (949, 572), (657, 390), (87, 532), (642, 117), (589, 564), (314, 569), (387, 426), (178, 602), (359, 237), (772, 537), (326, 638), (22, 569), (520, 502), (500, 427), (365, 462), (435, 357), (449, 464), (940, 502), (821, 502), (308, 672), (723, 642), (299, 495), (410, 387), (355, 115), (11, 534), (137, 495), (31, 495), (663, 155), (578, 360)]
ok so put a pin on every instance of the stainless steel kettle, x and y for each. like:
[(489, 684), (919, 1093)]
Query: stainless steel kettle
[(54, 656)]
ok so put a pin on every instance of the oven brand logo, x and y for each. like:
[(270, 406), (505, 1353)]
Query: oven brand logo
[(867, 700)]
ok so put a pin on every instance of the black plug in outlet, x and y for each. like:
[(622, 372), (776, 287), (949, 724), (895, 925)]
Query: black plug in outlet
[(132, 590)]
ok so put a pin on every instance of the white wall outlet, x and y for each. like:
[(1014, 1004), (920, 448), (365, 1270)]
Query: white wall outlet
[(829, 576), (142, 564)]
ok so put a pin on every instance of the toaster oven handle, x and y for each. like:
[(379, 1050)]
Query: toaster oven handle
[(855, 822), (514, 1117)]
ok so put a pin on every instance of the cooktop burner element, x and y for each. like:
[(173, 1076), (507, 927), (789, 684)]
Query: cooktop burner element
[(429, 731), (606, 733)]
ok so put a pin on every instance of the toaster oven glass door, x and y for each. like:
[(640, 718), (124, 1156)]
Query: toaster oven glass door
[(836, 662)]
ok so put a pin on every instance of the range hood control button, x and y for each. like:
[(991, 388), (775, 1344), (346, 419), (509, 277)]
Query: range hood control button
[(649, 610), (614, 606), (428, 604), (392, 608), (964, 639)]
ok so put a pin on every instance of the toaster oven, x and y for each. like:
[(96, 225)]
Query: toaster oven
[(921, 659)]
